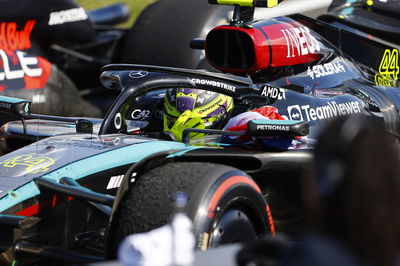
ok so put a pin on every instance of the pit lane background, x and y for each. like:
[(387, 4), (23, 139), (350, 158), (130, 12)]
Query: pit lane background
[(288, 6)]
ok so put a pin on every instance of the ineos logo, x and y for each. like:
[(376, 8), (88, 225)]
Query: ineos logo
[(138, 74)]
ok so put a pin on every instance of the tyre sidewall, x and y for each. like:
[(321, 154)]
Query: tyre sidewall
[(223, 189)]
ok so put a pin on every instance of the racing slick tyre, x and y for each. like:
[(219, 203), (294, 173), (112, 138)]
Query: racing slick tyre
[(224, 203), (162, 33)]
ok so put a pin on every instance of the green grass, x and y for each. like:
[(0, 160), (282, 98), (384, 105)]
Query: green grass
[(136, 6)]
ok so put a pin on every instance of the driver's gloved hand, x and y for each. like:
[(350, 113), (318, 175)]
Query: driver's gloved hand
[(187, 120)]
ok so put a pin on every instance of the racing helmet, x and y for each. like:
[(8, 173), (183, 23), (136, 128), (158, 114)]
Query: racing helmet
[(203, 109)]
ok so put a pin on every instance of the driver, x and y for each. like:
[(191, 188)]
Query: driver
[(181, 108), (195, 108)]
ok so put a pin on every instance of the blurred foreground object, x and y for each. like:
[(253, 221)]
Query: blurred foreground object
[(353, 197), (171, 244)]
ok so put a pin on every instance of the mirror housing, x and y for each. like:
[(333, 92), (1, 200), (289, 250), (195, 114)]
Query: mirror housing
[(14, 106), (285, 128), (259, 128)]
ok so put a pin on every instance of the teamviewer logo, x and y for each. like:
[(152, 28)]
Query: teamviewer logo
[(294, 112)]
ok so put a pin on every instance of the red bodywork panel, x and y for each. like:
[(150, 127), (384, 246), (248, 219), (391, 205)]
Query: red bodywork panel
[(256, 47)]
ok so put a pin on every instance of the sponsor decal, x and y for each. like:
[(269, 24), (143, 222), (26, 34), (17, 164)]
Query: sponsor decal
[(32, 164), (115, 181), (325, 70), (16, 65), (28, 66), (12, 39), (138, 74), (66, 16), (4, 105), (118, 121), (205, 97), (331, 109), (273, 127), (213, 83), (388, 69), (140, 114), (217, 103), (38, 98), (274, 93), (21, 70), (300, 41)]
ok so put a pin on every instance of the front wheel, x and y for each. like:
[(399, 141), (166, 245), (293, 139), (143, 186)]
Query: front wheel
[(225, 204)]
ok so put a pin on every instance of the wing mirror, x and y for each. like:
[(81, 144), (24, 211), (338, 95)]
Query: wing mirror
[(21, 108), (259, 128), (286, 128), (14, 106)]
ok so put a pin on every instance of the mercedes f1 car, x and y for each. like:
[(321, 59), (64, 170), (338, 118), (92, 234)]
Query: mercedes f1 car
[(72, 188)]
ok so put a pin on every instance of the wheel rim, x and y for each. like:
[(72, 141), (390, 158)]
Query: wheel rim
[(233, 226)]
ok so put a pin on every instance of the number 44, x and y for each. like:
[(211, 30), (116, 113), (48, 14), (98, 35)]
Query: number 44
[(390, 64)]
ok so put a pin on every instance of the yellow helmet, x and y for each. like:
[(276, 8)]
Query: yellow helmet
[(195, 108)]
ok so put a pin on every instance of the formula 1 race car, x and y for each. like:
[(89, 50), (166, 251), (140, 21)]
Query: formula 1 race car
[(73, 188), (51, 52)]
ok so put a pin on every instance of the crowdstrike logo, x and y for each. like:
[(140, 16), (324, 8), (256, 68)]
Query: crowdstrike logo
[(65, 16), (213, 83), (331, 109)]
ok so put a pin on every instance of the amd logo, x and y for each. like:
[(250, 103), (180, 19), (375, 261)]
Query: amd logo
[(274, 93)]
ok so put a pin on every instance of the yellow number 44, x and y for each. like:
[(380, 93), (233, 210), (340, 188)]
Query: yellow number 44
[(389, 66)]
